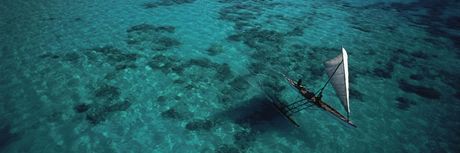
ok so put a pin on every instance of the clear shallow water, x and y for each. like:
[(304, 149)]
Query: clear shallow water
[(183, 76)]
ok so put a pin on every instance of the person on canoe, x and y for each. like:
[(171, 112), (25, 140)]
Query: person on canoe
[(305, 91)]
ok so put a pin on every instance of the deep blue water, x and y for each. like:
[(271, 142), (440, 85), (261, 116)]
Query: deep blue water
[(190, 75)]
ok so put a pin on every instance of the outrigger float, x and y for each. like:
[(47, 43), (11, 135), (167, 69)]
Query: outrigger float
[(337, 70)]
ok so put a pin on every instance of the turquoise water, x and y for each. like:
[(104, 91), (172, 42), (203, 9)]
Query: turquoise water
[(190, 75)]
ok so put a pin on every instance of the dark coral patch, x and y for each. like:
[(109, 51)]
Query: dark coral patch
[(355, 94), (215, 49), (226, 96), (404, 103), (257, 38), (120, 106), (227, 149), (152, 37), (125, 66), (453, 22), (450, 78), (166, 28), (239, 13), (115, 56), (234, 37), (200, 124), (257, 67), (409, 63), (383, 73), (106, 50), (457, 95), (386, 71), (417, 77), (179, 81), (71, 57), (202, 62), (49, 56), (107, 91), (420, 55), (164, 43), (171, 114), (81, 108), (422, 91), (6, 136), (166, 64), (97, 115), (362, 28), (239, 84), (223, 72), (150, 5), (243, 139), (161, 98), (148, 27), (297, 31)]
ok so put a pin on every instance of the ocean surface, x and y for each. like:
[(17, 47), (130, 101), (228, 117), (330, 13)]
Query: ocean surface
[(136, 76)]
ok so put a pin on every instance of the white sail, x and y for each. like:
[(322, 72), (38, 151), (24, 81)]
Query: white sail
[(339, 80)]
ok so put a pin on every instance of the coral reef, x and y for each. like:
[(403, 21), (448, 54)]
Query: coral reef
[(147, 36), (422, 91), (226, 148), (7, 136), (81, 108), (223, 72), (200, 124), (100, 113), (160, 3), (107, 92), (404, 103), (215, 49), (171, 114), (243, 139)]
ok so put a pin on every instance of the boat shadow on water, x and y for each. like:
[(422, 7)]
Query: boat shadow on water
[(258, 114), (259, 117)]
